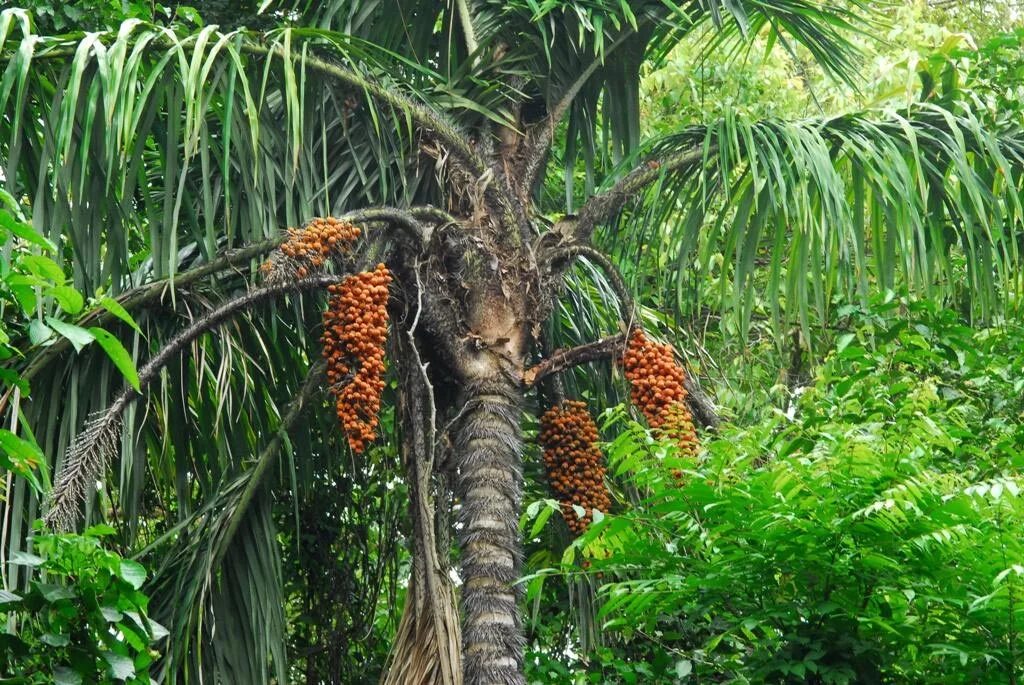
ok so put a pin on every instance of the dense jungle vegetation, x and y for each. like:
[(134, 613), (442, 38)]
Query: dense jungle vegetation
[(534, 341)]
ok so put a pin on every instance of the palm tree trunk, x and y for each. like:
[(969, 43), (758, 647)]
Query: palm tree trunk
[(488, 452)]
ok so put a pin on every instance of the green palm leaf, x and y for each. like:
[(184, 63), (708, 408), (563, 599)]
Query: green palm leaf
[(830, 207)]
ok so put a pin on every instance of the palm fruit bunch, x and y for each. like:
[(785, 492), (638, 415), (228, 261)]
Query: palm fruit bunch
[(568, 436), (355, 329), (677, 426), (656, 387), (306, 248)]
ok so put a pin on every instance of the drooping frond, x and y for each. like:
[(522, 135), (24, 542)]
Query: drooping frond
[(88, 455), (207, 139), (198, 548), (586, 60), (927, 198), (85, 463)]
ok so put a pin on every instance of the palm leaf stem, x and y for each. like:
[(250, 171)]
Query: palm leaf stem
[(150, 292), (611, 272), (87, 456)]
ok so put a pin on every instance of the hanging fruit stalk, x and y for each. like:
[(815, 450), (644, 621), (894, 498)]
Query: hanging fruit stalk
[(568, 436), (656, 387), (355, 329)]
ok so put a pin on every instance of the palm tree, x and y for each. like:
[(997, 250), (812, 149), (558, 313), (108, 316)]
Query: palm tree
[(164, 163)]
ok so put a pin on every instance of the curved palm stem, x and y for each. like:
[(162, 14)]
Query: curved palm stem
[(567, 358), (612, 347), (87, 457), (539, 143), (435, 125), (611, 272), (605, 205), (435, 214), (142, 296), (145, 294)]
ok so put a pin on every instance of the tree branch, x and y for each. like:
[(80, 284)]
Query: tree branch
[(225, 311), (149, 292), (539, 142), (604, 206), (567, 358), (700, 404), (144, 295), (434, 214), (87, 456)]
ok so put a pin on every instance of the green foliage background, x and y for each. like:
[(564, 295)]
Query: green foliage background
[(867, 533)]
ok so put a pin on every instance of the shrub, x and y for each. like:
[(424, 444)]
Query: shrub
[(83, 620)]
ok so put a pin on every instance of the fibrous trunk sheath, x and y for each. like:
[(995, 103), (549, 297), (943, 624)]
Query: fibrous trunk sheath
[(427, 646), (488, 450)]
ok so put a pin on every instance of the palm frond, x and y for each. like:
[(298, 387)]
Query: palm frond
[(590, 57), (927, 198)]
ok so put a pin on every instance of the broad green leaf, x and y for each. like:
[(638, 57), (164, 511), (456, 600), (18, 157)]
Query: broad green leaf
[(44, 267), (115, 308), (23, 457), (118, 354), (111, 614), (39, 332), (99, 530), (133, 572), (78, 336), (120, 667), (69, 299), (25, 232), (539, 523), (23, 450), (684, 667), (25, 559), (55, 640), (152, 628), (65, 676), (54, 593)]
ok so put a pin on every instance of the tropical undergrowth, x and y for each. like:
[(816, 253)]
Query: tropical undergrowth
[(869, 532)]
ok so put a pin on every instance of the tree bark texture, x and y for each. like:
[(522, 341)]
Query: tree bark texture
[(488, 450)]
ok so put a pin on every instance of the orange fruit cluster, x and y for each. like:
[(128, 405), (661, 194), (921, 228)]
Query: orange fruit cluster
[(655, 379), (656, 387), (355, 329), (308, 247), (574, 463)]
